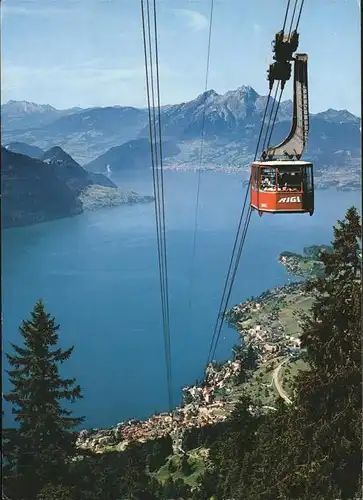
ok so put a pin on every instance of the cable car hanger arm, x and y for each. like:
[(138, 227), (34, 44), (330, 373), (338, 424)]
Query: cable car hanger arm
[(295, 142)]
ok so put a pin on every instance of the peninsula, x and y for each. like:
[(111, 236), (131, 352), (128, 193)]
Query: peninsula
[(307, 264), (54, 186)]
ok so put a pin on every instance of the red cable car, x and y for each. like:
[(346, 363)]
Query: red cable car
[(282, 187), (281, 182)]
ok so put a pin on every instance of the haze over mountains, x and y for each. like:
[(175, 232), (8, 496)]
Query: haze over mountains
[(231, 127), (24, 114)]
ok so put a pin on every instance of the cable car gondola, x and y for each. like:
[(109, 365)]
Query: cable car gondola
[(280, 181), (282, 186)]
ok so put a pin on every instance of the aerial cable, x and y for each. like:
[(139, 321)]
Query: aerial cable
[(286, 14), (222, 309), (161, 211), (275, 116), (152, 152), (153, 145), (270, 117), (225, 294), (224, 303), (201, 154), (158, 190), (240, 249), (300, 11), (269, 133), (292, 17), (221, 315), (281, 92), (167, 311), (153, 148)]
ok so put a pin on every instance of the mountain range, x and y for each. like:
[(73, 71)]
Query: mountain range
[(52, 186), (117, 136), (24, 114)]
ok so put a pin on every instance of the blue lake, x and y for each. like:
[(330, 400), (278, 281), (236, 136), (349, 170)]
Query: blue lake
[(97, 274)]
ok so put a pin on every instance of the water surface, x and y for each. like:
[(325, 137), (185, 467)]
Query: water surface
[(97, 274)]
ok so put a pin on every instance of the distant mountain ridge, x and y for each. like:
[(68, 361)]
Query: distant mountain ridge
[(25, 149), (23, 114), (230, 114), (231, 126), (132, 155), (70, 172)]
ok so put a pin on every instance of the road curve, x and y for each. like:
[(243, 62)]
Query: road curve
[(275, 379)]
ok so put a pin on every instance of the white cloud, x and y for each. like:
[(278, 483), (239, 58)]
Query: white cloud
[(24, 10), (85, 84), (18, 76), (195, 20), (44, 8)]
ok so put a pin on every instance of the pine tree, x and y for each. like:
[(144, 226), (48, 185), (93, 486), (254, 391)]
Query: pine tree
[(325, 429), (228, 452), (311, 449), (38, 450), (56, 492), (330, 393)]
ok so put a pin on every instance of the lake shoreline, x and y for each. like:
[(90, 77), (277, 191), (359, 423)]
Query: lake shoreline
[(93, 198), (202, 405), (261, 323)]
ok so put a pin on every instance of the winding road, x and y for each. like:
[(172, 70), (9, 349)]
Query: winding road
[(275, 379)]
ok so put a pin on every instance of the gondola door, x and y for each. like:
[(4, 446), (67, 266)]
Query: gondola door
[(308, 192)]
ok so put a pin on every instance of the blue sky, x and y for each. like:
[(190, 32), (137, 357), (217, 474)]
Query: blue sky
[(89, 52)]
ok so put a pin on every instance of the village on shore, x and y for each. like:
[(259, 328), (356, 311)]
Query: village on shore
[(203, 403), (259, 324), (202, 409), (346, 179)]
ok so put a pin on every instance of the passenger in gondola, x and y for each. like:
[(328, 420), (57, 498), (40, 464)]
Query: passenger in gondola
[(268, 184), (293, 182), (282, 179), (272, 184), (297, 181), (265, 183)]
